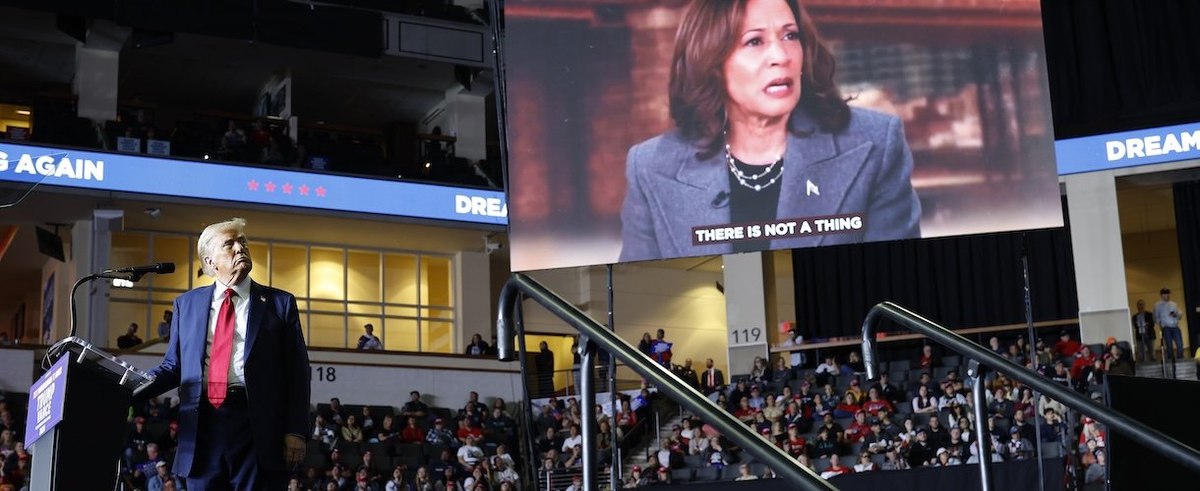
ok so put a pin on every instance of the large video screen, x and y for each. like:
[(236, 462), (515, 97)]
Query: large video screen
[(653, 130)]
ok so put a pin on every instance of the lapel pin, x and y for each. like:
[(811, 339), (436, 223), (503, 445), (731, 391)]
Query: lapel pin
[(262, 298), (811, 189)]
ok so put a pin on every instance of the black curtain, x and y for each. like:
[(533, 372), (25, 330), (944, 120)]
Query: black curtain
[(1118, 65), (1187, 229), (960, 282)]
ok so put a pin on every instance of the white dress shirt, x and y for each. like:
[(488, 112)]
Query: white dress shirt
[(241, 312)]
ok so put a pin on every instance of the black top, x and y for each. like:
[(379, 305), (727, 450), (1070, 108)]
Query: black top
[(748, 205)]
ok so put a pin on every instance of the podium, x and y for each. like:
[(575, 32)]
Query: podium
[(76, 430)]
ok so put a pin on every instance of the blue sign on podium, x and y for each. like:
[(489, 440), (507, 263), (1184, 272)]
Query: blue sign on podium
[(46, 401)]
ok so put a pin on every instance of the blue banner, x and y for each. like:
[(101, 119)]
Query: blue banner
[(1128, 148), (289, 188)]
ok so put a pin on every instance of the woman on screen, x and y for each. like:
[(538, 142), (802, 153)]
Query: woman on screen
[(762, 136)]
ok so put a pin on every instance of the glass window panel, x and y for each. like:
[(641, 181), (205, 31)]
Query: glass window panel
[(365, 309), (302, 304), (289, 269), (164, 297), (400, 335), (436, 336), (400, 278), (156, 318), (444, 314), (129, 249), (320, 306), (357, 330), (363, 276), (260, 255), (436, 283), (175, 249), (328, 274), (392, 310), (327, 331), (120, 314)]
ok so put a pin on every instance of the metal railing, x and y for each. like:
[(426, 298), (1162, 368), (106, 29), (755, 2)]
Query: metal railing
[(509, 328), (982, 358)]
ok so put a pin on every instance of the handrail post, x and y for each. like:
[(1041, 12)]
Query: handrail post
[(590, 430), (975, 370)]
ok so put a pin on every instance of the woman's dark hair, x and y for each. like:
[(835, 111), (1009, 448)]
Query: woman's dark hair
[(705, 39)]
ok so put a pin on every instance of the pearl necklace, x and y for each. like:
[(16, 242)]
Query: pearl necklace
[(745, 180)]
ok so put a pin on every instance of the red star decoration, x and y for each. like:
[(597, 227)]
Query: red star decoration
[(270, 187), (253, 185), (287, 188), (320, 191), (304, 189)]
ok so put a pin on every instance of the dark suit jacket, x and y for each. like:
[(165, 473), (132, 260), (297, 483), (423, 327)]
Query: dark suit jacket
[(707, 388), (865, 168), (276, 371)]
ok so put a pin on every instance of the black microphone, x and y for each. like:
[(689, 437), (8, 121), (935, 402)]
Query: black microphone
[(721, 200), (160, 268)]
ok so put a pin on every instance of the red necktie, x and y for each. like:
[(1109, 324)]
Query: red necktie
[(222, 349)]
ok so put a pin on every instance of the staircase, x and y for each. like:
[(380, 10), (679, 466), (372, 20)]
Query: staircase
[(1185, 369)]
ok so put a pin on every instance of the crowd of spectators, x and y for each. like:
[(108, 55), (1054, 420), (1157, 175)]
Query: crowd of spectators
[(14, 459), (918, 414)]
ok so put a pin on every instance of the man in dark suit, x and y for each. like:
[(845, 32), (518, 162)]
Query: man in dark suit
[(1143, 325), (238, 357), (712, 380)]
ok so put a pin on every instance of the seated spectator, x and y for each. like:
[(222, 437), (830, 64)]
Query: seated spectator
[(414, 408), (858, 428), (926, 380), (893, 461), (335, 414), (994, 345), (626, 419), (835, 468), (864, 463), (1083, 358), (974, 458), (795, 444), (478, 476), (836, 432), (876, 402), (1118, 362), (160, 478), (760, 373), (547, 441), (824, 446), (469, 454), (572, 440), (667, 454), (441, 435), (1017, 448), (938, 435), (952, 381), (924, 402), (847, 408), (887, 390), (716, 455), (944, 459), (323, 433), (448, 481), (745, 413), (757, 400), (412, 433), (500, 428), (369, 341), (366, 421), (854, 365), (1001, 407), (636, 479), (437, 467), (352, 432), (855, 389), (876, 441), (825, 372), (386, 433), (950, 399), (926, 360), (1096, 473), (744, 473), (921, 452), (548, 419), (468, 429), (423, 481), (1092, 431), (1066, 347), (781, 373), (819, 408), (477, 347), (964, 429), (957, 445), (399, 481), (503, 472)]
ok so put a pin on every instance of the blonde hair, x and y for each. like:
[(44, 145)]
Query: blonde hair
[(205, 243)]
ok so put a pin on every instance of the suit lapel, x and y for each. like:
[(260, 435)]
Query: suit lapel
[(680, 210), (200, 310), (816, 181), (258, 308)]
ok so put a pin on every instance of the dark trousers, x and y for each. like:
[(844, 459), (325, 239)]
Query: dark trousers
[(225, 457)]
